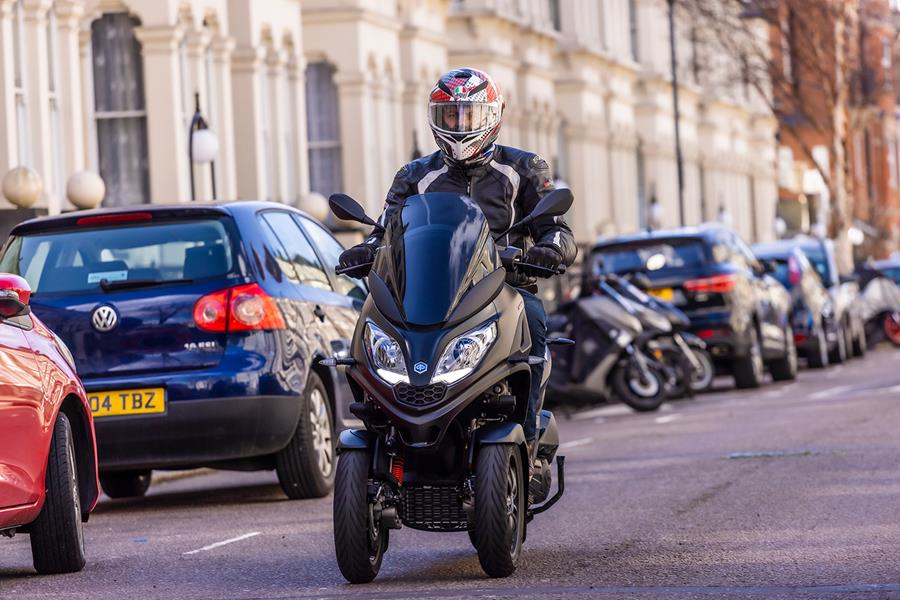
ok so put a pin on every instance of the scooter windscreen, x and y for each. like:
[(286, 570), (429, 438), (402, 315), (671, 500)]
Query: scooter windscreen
[(436, 246)]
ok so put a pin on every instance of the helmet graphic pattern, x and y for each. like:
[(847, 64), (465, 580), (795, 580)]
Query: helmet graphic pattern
[(465, 110)]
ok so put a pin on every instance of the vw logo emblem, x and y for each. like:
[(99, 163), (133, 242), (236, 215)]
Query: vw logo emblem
[(420, 367), (104, 318)]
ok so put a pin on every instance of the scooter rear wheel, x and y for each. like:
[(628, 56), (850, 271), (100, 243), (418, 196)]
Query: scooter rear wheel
[(499, 523), (359, 539)]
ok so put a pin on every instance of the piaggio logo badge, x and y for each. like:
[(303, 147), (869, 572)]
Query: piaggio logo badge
[(420, 367)]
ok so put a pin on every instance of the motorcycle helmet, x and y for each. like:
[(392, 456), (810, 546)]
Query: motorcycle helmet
[(464, 112)]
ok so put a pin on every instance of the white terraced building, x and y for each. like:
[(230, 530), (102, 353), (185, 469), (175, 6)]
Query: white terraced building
[(326, 95)]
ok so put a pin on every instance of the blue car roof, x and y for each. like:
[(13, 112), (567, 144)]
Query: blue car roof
[(194, 209)]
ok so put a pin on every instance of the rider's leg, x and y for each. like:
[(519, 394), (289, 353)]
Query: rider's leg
[(537, 326)]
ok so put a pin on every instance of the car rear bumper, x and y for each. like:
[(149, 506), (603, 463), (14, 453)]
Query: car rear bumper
[(722, 341), (194, 433)]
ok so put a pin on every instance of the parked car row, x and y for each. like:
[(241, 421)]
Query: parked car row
[(196, 331), (754, 309)]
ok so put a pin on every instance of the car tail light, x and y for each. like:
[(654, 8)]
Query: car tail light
[(794, 274), (719, 284), (118, 218), (799, 338), (706, 333), (241, 308)]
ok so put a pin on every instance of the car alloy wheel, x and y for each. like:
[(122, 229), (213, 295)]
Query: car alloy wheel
[(320, 424)]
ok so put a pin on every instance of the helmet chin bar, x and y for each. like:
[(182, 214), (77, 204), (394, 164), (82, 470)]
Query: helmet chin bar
[(467, 149)]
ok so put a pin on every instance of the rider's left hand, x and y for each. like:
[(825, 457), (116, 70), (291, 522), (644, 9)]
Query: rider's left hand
[(542, 256)]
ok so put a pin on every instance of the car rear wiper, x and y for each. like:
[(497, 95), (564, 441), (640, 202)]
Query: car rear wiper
[(109, 286)]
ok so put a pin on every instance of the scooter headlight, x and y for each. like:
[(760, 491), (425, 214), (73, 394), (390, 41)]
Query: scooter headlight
[(463, 354), (385, 355)]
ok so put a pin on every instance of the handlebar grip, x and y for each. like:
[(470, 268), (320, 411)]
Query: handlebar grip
[(548, 272), (342, 270)]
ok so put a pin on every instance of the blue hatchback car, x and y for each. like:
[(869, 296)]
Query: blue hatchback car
[(197, 331)]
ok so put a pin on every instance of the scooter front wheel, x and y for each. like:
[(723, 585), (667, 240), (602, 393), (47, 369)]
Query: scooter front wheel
[(642, 391), (499, 523), (359, 538)]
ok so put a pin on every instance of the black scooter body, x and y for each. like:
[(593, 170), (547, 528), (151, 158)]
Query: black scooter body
[(437, 279)]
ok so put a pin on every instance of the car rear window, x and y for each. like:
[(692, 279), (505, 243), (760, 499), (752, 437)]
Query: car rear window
[(657, 256), (78, 260)]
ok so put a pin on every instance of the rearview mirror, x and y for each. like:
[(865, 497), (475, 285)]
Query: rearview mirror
[(346, 208), (554, 204), (15, 294)]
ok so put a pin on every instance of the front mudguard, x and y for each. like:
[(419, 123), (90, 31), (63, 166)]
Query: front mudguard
[(356, 439)]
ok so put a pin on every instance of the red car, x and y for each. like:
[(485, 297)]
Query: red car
[(48, 453)]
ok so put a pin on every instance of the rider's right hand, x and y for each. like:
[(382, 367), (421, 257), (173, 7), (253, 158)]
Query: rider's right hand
[(360, 255)]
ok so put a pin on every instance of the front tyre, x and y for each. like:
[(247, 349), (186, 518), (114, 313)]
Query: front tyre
[(702, 377), (359, 539), (499, 519), (305, 467), (785, 368), (57, 535), (126, 484), (644, 391), (748, 370)]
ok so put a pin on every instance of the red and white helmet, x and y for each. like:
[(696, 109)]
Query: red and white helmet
[(464, 111)]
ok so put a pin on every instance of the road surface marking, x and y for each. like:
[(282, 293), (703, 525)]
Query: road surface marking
[(224, 542), (830, 392), (574, 443), (666, 419), (603, 411)]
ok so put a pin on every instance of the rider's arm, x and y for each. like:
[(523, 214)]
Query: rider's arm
[(400, 190), (553, 232)]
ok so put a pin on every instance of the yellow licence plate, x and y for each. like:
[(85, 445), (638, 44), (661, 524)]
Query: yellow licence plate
[(111, 403), (664, 294)]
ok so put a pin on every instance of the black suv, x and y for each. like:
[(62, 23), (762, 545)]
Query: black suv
[(709, 272)]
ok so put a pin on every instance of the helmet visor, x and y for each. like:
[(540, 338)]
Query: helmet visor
[(464, 117)]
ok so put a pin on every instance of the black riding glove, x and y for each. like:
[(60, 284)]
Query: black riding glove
[(542, 256), (360, 256)]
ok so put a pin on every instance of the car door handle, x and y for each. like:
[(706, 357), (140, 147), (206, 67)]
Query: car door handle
[(319, 313)]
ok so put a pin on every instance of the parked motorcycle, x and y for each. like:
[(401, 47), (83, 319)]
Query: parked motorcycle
[(440, 370), (609, 358), (681, 351), (881, 309)]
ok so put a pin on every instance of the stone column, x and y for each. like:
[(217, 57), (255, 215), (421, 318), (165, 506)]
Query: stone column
[(70, 93), (196, 43), (35, 45), (166, 135), (8, 129), (277, 63), (250, 168), (296, 80), (226, 184), (358, 142)]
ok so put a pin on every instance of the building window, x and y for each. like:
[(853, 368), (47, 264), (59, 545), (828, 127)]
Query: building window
[(23, 136), (555, 18), (886, 54), (120, 114), (323, 125), (633, 28)]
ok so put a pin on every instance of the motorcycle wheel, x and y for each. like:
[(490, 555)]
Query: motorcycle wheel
[(892, 329), (703, 377), (499, 520), (678, 385), (359, 539), (632, 389)]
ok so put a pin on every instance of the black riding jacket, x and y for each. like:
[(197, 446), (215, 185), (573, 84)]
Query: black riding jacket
[(507, 189)]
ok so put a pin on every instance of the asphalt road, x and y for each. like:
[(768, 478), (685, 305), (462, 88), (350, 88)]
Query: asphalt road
[(788, 491)]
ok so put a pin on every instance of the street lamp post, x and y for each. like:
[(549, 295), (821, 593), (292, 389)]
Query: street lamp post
[(679, 160), (203, 145)]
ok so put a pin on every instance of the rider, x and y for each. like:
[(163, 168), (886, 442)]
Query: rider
[(465, 110)]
